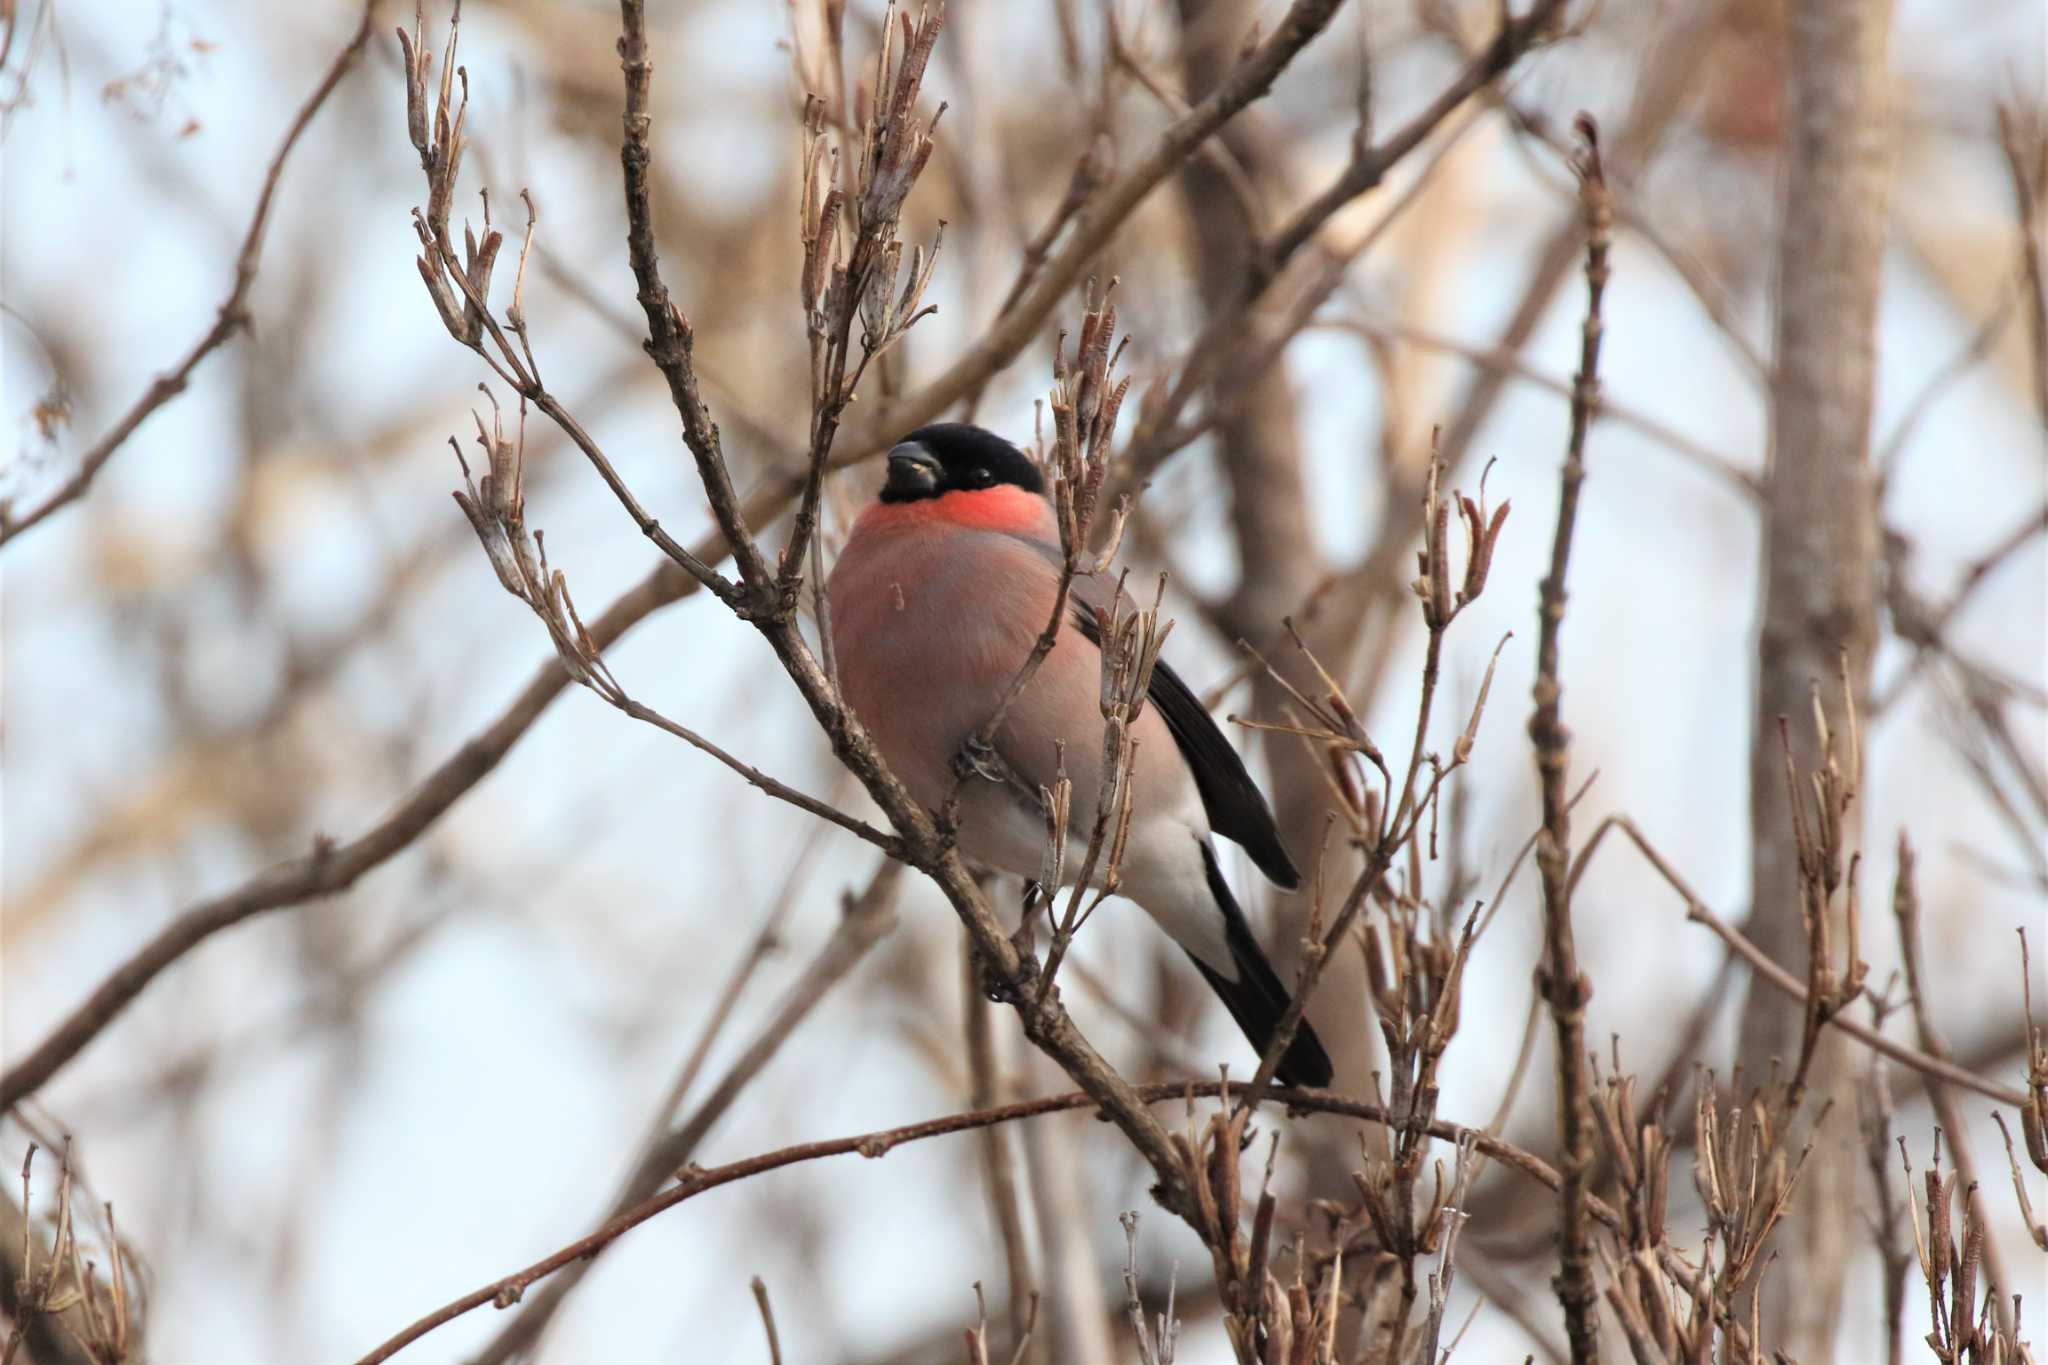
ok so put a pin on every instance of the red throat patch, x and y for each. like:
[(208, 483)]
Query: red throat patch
[(1005, 507)]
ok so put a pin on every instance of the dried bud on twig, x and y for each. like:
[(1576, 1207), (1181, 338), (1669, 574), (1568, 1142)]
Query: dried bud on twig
[(897, 142), (1440, 602), (496, 509), (1827, 863), (460, 284), (1085, 405), (1744, 1177), (66, 1286)]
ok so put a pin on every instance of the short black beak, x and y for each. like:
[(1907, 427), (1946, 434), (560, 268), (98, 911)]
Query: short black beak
[(913, 474)]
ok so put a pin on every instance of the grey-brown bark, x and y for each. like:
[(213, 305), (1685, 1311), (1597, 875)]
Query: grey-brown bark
[(1820, 558)]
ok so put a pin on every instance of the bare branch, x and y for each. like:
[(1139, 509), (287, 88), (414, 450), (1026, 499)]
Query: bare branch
[(1094, 225), (1565, 989), (1509, 363), (330, 867), (768, 1321), (1698, 912), (231, 317), (695, 1180), (1906, 910), (998, 1164), (865, 920), (1160, 430)]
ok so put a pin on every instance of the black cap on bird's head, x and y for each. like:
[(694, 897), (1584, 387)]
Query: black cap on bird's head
[(956, 457)]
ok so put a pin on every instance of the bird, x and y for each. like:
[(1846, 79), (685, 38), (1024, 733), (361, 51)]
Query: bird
[(945, 583)]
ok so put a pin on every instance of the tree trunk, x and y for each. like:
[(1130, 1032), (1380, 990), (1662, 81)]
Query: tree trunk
[(1259, 447), (1820, 590)]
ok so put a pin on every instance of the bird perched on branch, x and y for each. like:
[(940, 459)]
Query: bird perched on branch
[(945, 585)]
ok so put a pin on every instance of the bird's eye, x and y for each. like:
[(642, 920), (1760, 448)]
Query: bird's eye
[(983, 478)]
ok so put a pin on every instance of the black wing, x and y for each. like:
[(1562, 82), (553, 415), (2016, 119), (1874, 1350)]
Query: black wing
[(1257, 999), (1237, 808)]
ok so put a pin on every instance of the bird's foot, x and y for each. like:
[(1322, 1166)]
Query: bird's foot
[(978, 759), (1000, 989), (991, 982)]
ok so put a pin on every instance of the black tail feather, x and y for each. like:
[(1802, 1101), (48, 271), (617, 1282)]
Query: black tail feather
[(1257, 999)]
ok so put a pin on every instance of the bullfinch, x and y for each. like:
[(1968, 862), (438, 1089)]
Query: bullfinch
[(946, 582)]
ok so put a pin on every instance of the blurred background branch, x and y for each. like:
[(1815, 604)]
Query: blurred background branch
[(266, 642)]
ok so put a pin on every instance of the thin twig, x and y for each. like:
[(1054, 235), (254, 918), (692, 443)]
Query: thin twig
[(331, 868), (1339, 727), (1093, 226), (766, 941), (1509, 363), (2026, 191), (1968, 356), (1906, 909), (1565, 988), (435, 119), (865, 920), (670, 337), (1926, 630), (781, 791), (1875, 1108), (696, 1180), (1160, 430), (1698, 912), (998, 1164), (230, 318), (1708, 292), (768, 1321)]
